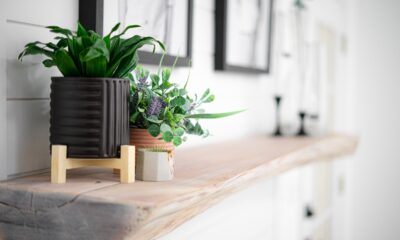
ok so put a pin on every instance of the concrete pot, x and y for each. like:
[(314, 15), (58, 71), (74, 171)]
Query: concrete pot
[(154, 166)]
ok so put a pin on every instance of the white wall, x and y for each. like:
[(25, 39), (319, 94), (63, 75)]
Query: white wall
[(375, 57), (3, 98), (233, 91), (25, 87)]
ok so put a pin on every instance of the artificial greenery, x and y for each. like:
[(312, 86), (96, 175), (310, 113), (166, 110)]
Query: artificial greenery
[(165, 109), (86, 54)]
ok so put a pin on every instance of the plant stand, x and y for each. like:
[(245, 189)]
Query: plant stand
[(60, 163)]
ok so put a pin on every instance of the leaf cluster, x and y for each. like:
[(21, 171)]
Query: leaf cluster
[(87, 54), (176, 112)]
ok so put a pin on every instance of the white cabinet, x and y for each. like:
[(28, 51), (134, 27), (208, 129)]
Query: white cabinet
[(275, 209)]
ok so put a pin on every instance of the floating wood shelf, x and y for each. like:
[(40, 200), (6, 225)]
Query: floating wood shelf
[(94, 205)]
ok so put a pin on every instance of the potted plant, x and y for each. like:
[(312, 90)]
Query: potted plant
[(162, 113), (89, 104)]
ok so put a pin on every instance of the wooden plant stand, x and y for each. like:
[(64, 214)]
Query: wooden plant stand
[(60, 163)]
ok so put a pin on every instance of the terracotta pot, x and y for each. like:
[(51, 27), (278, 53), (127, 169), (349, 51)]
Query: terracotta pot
[(141, 139)]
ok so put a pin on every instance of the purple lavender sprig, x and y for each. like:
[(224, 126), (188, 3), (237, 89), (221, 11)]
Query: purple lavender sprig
[(142, 82), (155, 107)]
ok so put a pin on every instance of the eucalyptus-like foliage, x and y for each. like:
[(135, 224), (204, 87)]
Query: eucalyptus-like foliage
[(164, 108), (86, 54)]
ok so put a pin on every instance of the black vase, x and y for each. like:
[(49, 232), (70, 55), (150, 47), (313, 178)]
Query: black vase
[(89, 115)]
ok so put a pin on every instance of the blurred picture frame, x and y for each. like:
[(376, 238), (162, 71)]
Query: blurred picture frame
[(243, 31), (170, 21)]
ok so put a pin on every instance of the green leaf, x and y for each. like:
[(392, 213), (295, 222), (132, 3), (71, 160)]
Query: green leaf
[(177, 141), (160, 63), (154, 130), (96, 67), (133, 117), (155, 79), (182, 92), (87, 41), (198, 130), (179, 132), (56, 29), (165, 128), (94, 36), (52, 46), (187, 105), (166, 85), (81, 31), (34, 50), (126, 29), (205, 94), (209, 99), (35, 43), (178, 101), (178, 117), (65, 63), (141, 72), (166, 73), (115, 28), (167, 136), (48, 63), (99, 49), (101, 46), (127, 58), (62, 43), (126, 66), (213, 115), (154, 119), (107, 41), (161, 45), (169, 116), (89, 54)]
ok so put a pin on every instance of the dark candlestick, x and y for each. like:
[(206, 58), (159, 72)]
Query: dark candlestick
[(278, 117), (302, 130)]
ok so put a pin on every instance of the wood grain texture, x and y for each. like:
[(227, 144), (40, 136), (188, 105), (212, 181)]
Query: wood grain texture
[(81, 209)]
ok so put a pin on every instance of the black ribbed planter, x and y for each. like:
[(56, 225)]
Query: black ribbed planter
[(89, 115)]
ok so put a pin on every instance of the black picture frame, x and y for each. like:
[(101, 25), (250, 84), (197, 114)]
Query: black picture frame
[(220, 61), (91, 15)]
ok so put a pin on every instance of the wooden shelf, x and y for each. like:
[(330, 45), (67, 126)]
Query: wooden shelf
[(94, 205)]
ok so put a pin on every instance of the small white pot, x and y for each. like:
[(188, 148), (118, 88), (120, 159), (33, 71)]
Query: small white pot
[(154, 166)]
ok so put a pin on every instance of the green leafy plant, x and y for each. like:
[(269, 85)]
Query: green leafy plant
[(165, 109), (87, 54)]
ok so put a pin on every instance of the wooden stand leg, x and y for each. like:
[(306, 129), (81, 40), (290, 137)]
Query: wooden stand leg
[(116, 171), (58, 159), (127, 164)]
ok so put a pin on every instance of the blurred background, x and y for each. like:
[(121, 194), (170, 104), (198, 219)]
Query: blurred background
[(335, 60)]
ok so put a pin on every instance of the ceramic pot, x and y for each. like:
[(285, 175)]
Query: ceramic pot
[(89, 115), (141, 139), (154, 166)]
